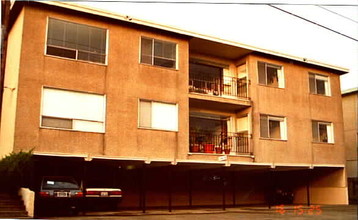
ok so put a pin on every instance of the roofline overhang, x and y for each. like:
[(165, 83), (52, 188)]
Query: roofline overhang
[(350, 91), (273, 166), (102, 13)]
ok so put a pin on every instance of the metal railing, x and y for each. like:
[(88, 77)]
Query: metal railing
[(219, 143), (227, 86)]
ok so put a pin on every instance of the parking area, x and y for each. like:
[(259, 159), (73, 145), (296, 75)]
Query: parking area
[(317, 212), (185, 189)]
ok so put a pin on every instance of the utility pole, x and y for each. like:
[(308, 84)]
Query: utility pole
[(5, 17)]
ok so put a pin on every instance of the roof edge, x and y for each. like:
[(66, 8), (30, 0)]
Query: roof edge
[(108, 14), (349, 91)]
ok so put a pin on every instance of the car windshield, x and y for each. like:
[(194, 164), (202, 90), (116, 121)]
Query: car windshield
[(59, 183)]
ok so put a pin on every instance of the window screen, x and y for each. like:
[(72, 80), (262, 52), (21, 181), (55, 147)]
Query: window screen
[(56, 122), (264, 128), (145, 117), (76, 41), (274, 128)]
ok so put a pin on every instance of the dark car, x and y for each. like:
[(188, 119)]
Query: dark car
[(59, 192), (283, 196)]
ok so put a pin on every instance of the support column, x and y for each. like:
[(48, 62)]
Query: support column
[(233, 180), (224, 187), (308, 180), (190, 183), (170, 182), (142, 189), (270, 189), (84, 184)]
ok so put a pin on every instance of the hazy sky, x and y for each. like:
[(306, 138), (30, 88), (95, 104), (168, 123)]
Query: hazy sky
[(264, 26)]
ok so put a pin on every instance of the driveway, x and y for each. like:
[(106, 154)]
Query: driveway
[(325, 212)]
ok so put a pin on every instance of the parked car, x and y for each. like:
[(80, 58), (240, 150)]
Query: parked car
[(283, 196), (102, 198), (59, 192)]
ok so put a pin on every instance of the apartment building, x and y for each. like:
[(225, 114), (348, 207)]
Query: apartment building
[(350, 118), (174, 118)]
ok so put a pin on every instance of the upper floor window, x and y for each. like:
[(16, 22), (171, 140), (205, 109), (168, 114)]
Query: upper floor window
[(158, 53), (70, 110), (319, 84), (158, 115), (273, 127), (76, 41), (322, 132), (271, 75)]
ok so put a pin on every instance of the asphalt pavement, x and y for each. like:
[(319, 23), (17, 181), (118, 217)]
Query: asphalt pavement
[(316, 212)]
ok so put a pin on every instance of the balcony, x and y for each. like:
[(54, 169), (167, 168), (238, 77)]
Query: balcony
[(228, 87), (219, 143)]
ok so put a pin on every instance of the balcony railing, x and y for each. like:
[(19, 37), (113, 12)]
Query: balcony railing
[(219, 143), (228, 86)]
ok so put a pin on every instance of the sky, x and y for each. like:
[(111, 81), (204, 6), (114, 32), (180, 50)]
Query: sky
[(263, 26)]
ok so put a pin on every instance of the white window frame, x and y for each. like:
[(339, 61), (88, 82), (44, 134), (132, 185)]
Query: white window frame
[(152, 52), (76, 50), (75, 121), (280, 74), (321, 77), (330, 132), (176, 119), (283, 126)]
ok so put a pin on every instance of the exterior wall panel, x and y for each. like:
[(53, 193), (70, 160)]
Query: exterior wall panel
[(299, 107), (11, 81), (124, 81)]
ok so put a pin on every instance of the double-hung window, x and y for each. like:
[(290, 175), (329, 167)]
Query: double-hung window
[(319, 84), (322, 132), (76, 41), (273, 127), (158, 52), (271, 75), (63, 109), (158, 115)]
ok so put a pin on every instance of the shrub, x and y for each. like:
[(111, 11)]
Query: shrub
[(16, 170)]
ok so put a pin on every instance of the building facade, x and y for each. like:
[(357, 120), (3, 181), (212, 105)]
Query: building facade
[(174, 118), (350, 106)]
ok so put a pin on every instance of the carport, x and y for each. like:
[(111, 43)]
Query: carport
[(166, 185)]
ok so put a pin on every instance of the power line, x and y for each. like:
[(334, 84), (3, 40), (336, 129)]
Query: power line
[(244, 3), (305, 19), (333, 12), (210, 3)]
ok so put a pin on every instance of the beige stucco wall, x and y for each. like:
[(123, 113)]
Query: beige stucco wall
[(8, 115), (325, 187), (124, 81), (350, 108), (299, 107)]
